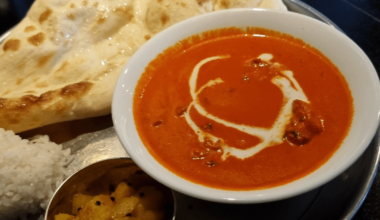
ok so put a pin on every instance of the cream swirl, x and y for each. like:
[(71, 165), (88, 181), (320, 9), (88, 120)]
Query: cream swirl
[(269, 137)]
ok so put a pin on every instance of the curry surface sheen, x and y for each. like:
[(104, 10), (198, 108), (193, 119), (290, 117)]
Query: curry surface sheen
[(246, 96)]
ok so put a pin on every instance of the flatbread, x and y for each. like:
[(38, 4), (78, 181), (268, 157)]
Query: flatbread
[(62, 61), (164, 13), (272, 4), (226, 4)]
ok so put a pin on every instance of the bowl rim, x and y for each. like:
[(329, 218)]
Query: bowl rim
[(218, 195)]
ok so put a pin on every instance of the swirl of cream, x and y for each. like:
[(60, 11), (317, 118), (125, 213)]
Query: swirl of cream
[(269, 137)]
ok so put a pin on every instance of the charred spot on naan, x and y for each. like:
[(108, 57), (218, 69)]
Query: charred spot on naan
[(125, 11), (30, 99), (47, 96), (63, 66), (76, 90), (224, 4), (45, 15), (101, 19), (19, 81), (29, 29), (72, 5), (12, 44), (13, 110), (71, 16), (164, 18), (201, 2), (84, 3), (44, 59), (37, 39)]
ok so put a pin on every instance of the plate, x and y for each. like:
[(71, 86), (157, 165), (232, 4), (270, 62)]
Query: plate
[(338, 199)]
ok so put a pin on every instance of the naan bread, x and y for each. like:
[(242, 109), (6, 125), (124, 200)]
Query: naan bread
[(272, 4), (226, 4), (164, 13), (61, 62)]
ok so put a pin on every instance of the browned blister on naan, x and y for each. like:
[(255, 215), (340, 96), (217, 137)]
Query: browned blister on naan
[(61, 62)]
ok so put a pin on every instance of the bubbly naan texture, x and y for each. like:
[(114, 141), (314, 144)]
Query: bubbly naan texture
[(61, 62)]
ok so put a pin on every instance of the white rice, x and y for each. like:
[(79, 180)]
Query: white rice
[(30, 171)]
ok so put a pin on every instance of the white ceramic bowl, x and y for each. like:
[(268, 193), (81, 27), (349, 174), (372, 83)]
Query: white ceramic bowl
[(344, 53)]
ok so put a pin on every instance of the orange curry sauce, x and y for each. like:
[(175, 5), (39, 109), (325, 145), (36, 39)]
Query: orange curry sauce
[(246, 97)]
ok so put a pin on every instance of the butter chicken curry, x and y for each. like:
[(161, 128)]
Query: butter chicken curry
[(242, 109)]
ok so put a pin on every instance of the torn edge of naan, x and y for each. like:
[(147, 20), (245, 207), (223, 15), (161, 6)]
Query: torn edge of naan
[(62, 104)]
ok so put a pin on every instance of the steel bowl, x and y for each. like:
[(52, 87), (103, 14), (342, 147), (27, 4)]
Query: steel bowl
[(87, 181)]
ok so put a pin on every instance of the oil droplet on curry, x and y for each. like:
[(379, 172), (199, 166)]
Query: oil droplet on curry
[(242, 109)]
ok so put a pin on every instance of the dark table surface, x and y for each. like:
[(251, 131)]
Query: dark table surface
[(359, 19)]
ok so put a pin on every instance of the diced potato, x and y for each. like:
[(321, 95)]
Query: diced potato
[(124, 206), (98, 208), (144, 214), (79, 200), (138, 211), (124, 203), (150, 197), (64, 217), (122, 190)]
